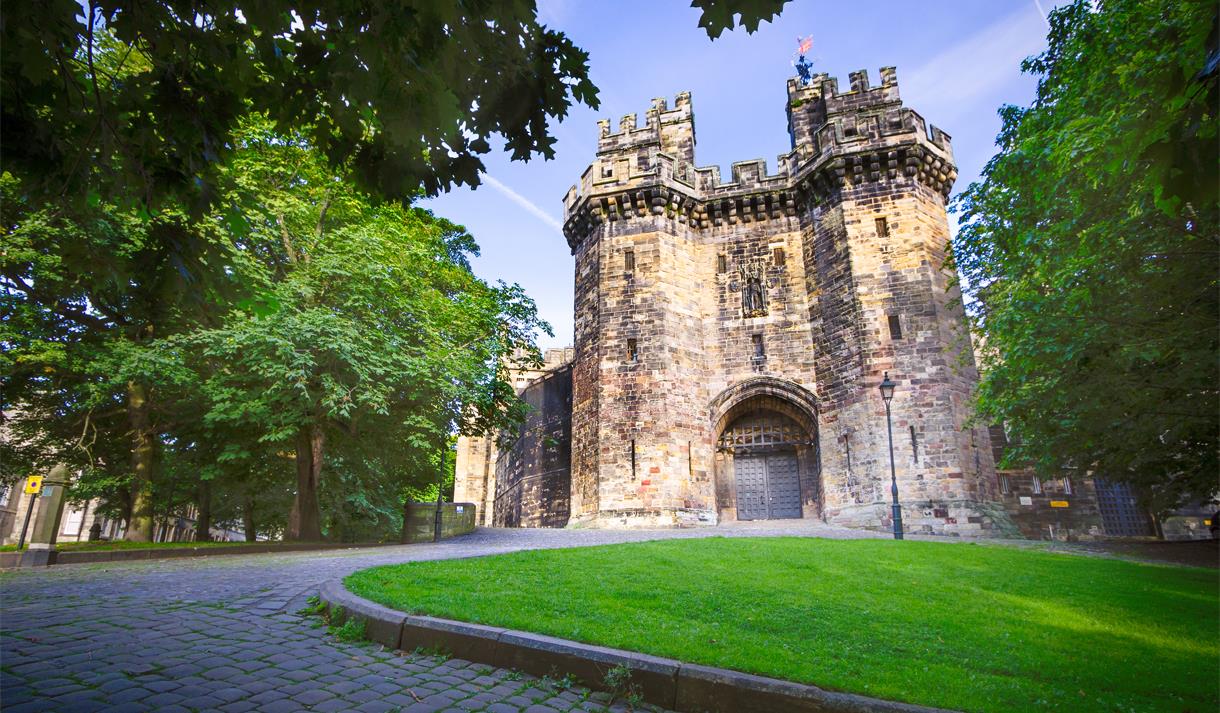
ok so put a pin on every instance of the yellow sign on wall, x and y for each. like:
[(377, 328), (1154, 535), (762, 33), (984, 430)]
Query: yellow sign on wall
[(33, 484), (1059, 503)]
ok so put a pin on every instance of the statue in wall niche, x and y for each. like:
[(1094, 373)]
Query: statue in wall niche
[(753, 290)]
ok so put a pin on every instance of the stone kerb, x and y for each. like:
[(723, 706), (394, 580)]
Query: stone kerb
[(689, 688)]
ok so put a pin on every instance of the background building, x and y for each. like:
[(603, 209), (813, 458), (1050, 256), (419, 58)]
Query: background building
[(79, 518)]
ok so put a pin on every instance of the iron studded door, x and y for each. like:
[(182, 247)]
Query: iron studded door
[(783, 486), (768, 486), (751, 476)]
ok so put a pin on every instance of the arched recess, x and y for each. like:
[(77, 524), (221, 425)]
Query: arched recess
[(764, 428)]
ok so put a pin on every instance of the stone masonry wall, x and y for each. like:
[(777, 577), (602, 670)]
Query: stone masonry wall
[(474, 475), (944, 469), (475, 468)]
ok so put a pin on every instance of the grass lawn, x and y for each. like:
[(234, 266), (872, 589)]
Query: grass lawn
[(974, 627)]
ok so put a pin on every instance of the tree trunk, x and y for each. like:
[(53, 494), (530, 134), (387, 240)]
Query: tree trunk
[(247, 519), (304, 522), (405, 538), (143, 462), (203, 519)]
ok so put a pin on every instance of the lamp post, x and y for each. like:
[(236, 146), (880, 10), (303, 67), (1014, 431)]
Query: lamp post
[(887, 393), (440, 486)]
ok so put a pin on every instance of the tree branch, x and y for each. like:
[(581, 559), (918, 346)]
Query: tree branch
[(322, 218), (58, 305), (286, 239)]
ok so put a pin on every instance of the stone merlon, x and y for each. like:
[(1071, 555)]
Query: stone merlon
[(838, 139)]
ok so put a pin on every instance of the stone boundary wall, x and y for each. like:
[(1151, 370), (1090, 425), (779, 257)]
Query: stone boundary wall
[(59, 557), (456, 519), (664, 682)]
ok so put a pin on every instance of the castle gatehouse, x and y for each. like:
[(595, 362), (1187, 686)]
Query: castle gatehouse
[(731, 331)]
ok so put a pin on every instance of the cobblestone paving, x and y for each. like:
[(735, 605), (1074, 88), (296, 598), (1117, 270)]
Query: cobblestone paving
[(222, 634)]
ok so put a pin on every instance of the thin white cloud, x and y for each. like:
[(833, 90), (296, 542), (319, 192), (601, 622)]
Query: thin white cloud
[(525, 203), (1042, 13), (950, 83)]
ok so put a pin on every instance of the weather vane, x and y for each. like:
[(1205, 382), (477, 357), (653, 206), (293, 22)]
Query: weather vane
[(803, 66)]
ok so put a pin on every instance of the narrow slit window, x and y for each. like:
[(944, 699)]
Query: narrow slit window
[(777, 257), (759, 352), (633, 459), (633, 350), (629, 260), (722, 263), (895, 327), (914, 445), (883, 228), (1037, 485), (1067, 486), (1005, 486)]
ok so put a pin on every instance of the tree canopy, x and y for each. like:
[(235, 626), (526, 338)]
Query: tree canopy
[(330, 329), (211, 275), (1091, 251), (405, 93)]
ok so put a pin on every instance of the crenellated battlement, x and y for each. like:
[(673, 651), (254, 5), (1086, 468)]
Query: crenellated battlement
[(863, 134), (667, 130)]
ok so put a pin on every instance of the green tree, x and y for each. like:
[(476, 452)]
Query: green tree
[(1091, 249), (408, 92), (85, 294), (134, 210), (404, 92), (367, 337), (379, 341)]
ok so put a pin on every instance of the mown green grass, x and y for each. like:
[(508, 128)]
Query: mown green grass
[(973, 627)]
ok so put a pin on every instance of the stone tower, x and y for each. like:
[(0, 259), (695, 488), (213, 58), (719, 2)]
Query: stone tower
[(730, 334)]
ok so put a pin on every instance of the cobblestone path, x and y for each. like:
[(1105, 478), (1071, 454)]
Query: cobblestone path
[(222, 634)]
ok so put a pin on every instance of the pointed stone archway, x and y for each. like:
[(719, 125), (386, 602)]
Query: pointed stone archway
[(766, 463)]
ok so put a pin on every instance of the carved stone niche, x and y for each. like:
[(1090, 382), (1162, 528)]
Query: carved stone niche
[(753, 280)]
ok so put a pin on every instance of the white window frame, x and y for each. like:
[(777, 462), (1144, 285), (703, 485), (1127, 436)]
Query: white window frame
[(79, 515)]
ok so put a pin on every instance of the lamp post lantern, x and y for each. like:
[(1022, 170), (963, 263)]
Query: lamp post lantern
[(887, 393)]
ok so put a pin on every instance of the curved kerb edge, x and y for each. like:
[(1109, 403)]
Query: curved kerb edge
[(684, 687)]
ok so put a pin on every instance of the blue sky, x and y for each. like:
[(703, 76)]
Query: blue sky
[(958, 62)]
